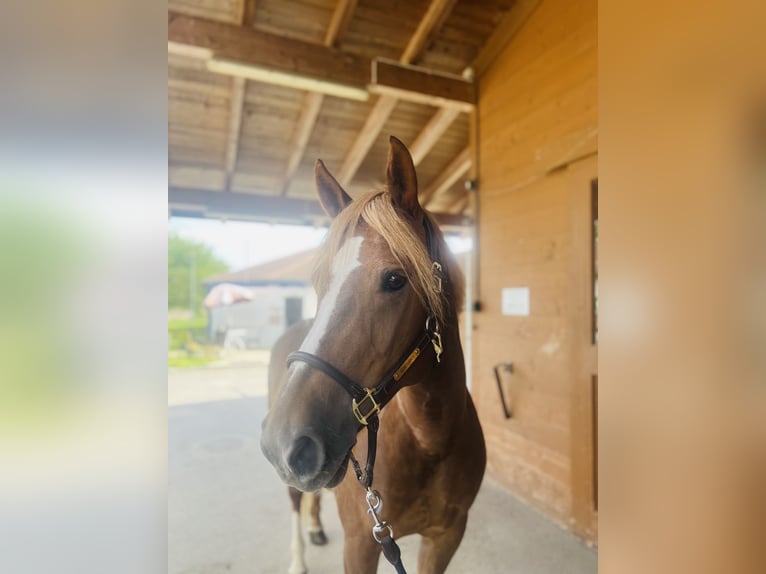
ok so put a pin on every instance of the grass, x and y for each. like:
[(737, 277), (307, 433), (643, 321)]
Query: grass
[(186, 333), (187, 324), (177, 361), (188, 347)]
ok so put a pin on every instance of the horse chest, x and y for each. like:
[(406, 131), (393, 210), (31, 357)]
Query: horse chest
[(414, 481), (424, 506), (420, 425)]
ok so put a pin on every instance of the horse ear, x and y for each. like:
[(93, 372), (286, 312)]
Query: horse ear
[(331, 194), (401, 178)]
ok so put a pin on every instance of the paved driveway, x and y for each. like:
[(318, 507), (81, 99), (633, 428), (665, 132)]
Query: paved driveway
[(229, 513)]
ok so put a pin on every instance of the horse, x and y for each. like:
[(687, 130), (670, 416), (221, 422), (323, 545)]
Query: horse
[(382, 358), (304, 505)]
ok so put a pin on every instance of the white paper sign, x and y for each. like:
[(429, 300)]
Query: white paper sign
[(516, 301)]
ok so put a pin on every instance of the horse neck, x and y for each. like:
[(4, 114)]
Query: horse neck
[(434, 406)]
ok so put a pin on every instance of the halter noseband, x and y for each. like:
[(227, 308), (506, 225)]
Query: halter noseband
[(366, 403)]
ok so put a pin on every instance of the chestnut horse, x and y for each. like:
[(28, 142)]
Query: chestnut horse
[(383, 355)]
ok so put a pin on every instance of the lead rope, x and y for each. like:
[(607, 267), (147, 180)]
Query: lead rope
[(382, 531)]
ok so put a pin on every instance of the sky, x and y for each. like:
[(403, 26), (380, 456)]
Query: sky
[(241, 244), (244, 243)]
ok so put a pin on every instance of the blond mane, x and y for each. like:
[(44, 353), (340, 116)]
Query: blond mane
[(376, 209)]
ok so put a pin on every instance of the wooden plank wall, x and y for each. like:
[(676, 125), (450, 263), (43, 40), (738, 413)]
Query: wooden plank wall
[(537, 119)]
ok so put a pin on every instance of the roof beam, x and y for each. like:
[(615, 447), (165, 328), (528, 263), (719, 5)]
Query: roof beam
[(459, 204), (421, 85), (367, 136), (184, 202), (431, 133), (246, 15), (236, 111), (183, 175), (247, 12), (312, 102), (454, 171), (434, 18), (437, 13), (258, 55), (262, 56), (508, 27), (341, 18)]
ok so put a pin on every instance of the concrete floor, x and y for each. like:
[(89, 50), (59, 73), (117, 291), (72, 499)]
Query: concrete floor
[(229, 513)]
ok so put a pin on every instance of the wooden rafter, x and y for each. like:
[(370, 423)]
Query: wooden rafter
[(266, 57), (437, 13), (454, 171), (236, 111), (421, 86), (312, 102), (431, 133), (259, 51), (194, 175), (205, 203), (367, 135), (459, 203), (434, 18), (246, 12), (187, 202), (341, 18)]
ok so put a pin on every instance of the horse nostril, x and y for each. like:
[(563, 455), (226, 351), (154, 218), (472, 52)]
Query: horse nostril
[(305, 457)]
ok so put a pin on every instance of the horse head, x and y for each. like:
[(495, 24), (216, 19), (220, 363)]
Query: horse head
[(376, 289)]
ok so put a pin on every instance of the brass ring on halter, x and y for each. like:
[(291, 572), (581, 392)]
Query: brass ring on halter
[(428, 324)]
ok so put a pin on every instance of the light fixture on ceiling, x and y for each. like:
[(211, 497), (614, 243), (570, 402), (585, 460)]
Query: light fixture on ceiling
[(290, 80)]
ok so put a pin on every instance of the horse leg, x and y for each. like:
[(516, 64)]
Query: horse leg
[(297, 563), (360, 553), (316, 532), (436, 551)]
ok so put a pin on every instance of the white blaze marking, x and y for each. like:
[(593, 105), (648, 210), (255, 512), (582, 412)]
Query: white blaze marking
[(346, 260)]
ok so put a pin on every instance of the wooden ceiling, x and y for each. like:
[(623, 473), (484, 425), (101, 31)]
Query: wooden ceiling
[(259, 89)]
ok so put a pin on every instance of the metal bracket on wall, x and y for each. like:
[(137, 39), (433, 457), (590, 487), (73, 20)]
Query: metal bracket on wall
[(472, 187), (506, 366)]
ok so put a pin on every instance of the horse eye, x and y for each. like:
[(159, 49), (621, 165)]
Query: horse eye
[(393, 282)]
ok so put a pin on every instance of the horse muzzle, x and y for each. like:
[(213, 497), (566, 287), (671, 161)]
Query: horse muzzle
[(302, 459)]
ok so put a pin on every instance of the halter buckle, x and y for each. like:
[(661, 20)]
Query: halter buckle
[(436, 341), (374, 409), (436, 337), (436, 268)]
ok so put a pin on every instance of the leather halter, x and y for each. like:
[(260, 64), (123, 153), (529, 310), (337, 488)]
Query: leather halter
[(366, 403)]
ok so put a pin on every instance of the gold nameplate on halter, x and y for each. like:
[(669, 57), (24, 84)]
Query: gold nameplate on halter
[(406, 365), (374, 409)]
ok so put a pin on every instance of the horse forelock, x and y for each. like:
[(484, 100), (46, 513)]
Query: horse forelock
[(376, 210)]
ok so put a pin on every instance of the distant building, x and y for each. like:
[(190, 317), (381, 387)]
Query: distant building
[(280, 294)]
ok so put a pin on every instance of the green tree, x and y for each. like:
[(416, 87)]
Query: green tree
[(189, 263)]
